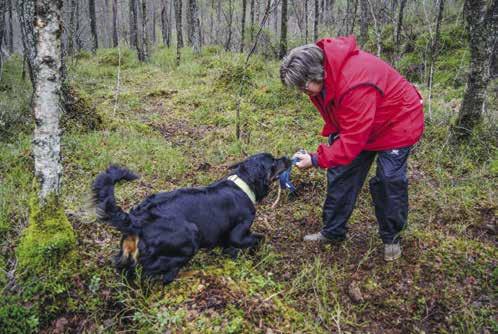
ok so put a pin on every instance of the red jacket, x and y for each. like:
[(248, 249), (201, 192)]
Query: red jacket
[(367, 102)]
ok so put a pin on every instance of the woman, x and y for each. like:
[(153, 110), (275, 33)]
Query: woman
[(369, 110)]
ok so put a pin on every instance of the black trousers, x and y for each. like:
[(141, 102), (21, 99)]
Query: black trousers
[(389, 190)]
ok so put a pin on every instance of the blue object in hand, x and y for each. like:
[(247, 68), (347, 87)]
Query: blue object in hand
[(284, 178)]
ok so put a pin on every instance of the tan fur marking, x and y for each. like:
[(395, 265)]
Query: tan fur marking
[(130, 247)]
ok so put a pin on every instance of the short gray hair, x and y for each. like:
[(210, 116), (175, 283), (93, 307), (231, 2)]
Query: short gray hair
[(302, 64)]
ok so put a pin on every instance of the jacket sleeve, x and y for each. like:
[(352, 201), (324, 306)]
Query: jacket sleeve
[(354, 115)]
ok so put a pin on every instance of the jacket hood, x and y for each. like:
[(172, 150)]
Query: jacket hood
[(336, 52)]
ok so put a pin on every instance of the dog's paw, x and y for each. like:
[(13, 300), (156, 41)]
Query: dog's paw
[(232, 252), (259, 238), (170, 276)]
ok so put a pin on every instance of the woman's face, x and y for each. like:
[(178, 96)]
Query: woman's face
[(313, 88)]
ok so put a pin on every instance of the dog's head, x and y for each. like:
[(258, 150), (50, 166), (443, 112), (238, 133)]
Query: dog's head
[(259, 171)]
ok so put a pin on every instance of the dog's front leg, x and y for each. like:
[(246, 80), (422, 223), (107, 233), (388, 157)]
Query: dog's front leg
[(170, 275), (231, 251), (241, 236)]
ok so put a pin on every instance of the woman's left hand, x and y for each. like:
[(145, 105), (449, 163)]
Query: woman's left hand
[(304, 160)]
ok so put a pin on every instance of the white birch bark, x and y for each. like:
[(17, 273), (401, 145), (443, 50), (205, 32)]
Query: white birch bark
[(46, 97)]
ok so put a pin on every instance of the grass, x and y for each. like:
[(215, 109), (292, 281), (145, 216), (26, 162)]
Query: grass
[(175, 127)]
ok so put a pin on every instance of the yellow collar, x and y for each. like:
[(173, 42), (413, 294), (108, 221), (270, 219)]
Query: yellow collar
[(243, 186)]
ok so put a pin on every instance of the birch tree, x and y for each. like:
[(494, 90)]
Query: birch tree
[(46, 100)]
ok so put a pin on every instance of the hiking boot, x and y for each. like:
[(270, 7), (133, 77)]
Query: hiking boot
[(392, 252), (320, 237)]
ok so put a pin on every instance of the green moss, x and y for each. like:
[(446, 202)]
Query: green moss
[(16, 318), (47, 239), (47, 259)]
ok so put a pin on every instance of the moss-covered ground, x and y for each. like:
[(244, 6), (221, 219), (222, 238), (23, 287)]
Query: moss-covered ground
[(175, 127)]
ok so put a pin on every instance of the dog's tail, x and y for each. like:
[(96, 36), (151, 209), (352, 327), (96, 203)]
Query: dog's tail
[(103, 196)]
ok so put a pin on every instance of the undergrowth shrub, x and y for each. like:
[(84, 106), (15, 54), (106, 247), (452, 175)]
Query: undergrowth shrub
[(15, 318), (15, 95), (123, 57)]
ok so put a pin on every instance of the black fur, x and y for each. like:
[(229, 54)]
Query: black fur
[(172, 226)]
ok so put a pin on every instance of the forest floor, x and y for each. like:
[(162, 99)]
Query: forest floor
[(175, 127)]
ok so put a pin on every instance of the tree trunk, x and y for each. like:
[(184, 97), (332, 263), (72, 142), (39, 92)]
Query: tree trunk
[(483, 29), (77, 38), (243, 28), (433, 54), (165, 23), (196, 26), (143, 47), (363, 22), (107, 37), (353, 17), (93, 26), (154, 22), (189, 23), (115, 36), (306, 32), (435, 44), (256, 11), (26, 10), (11, 28), (378, 33), (72, 28), (343, 30), (133, 24), (399, 25), (229, 21), (275, 19), (46, 100), (283, 30), (330, 12), (252, 21), (315, 22), (322, 11), (179, 37), (219, 28), (2, 32)]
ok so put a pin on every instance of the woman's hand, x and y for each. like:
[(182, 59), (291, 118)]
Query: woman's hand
[(304, 159)]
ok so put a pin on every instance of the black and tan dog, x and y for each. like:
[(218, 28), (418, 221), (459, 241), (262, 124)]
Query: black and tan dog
[(165, 231)]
